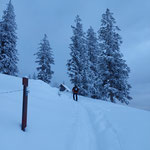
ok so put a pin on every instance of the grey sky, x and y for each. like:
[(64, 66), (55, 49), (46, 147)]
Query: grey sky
[(54, 17)]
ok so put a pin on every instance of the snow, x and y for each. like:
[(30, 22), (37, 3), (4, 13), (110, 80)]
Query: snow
[(67, 88), (57, 122)]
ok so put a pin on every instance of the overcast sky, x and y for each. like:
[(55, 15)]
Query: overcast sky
[(55, 17)]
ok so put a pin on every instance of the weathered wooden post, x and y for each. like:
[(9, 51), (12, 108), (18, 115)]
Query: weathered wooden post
[(25, 103)]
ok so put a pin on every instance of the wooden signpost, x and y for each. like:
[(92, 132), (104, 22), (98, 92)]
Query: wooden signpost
[(25, 103)]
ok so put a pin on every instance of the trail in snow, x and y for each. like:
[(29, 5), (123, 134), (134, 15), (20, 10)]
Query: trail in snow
[(85, 137), (106, 135), (91, 129)]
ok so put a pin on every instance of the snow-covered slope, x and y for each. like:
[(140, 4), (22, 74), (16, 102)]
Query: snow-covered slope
[(56, 122)]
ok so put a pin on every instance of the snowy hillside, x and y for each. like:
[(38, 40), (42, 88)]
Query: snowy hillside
[(56, 122)]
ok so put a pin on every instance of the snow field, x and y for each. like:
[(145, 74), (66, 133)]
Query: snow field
[(57, 122)]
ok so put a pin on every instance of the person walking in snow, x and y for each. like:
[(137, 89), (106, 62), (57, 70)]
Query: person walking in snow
[(75, 91)]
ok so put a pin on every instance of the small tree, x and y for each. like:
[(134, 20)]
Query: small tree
[(34, 76), (8, 40), (29, 76), (44, 60), (114, 70)]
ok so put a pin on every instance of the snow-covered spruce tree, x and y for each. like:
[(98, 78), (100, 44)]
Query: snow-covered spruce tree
[(34, 76), (77, 63), (93, 50), (44, 60), (8, 39), (29, 76), (114, 70)]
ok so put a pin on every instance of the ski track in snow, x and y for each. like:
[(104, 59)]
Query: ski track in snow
[(91, 130), (81, 137), (104, 131)]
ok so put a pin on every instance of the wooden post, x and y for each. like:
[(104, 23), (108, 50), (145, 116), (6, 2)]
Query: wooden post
[(25, 103)]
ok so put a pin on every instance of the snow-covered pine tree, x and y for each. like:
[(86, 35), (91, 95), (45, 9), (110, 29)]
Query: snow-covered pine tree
[(8, 39), (34, 76), (114, 70), (44, 60), (77, 63), (94, 80), (29, 76)]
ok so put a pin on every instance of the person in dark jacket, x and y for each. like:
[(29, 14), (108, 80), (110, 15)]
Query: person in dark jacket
[(75, 91)]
